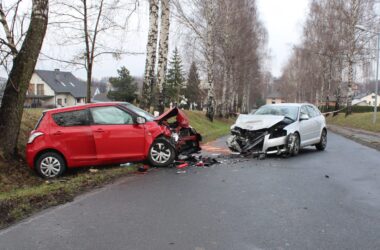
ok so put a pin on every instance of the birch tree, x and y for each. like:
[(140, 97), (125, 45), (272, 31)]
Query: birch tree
[(200, 17), (163, 53), (151, 51), (23, 64)]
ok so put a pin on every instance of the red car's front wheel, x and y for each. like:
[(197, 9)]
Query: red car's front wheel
[(161, 153)]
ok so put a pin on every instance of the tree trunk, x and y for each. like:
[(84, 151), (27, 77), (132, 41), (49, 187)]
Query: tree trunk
[(349, 87), (163, 53), (89, 82), (18, 81), (151, 54), (210, 60)]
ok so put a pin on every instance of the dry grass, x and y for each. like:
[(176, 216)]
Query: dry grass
[(359, 120)]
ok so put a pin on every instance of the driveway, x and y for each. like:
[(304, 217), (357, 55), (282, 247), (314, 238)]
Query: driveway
[(318, 200)]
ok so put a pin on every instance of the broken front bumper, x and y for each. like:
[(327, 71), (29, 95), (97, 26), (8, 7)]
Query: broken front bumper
[(261, 145)]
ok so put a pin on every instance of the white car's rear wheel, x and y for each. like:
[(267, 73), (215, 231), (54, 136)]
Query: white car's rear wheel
[(323, 142)]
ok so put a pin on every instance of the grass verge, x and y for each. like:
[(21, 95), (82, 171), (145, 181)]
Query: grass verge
[(358, 120), (23, 193), (209, 130), (18, 203)]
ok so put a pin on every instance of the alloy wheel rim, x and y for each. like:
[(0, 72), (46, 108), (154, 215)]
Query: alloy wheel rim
[(50, 166), (160, 153)]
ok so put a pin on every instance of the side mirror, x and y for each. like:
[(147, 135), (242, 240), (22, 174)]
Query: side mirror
[(140, 120), (304, 117)]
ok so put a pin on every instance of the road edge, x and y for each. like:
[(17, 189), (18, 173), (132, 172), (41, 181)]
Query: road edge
[(349, 135)]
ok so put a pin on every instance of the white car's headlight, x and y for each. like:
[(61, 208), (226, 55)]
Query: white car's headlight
[(33, 136)]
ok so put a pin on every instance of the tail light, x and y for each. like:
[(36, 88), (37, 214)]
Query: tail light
[(34, 135)]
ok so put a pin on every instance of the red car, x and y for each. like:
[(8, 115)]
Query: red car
[(107, 133)]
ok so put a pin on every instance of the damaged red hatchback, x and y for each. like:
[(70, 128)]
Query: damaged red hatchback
[(107, 133)]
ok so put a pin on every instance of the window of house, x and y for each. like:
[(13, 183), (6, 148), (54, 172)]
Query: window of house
[(72, 118), (110, 116), (59, 101), (78, 100), (65, 100), (40, 89)]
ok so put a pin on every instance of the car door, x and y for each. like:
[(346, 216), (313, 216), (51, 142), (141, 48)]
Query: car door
[(305, 126), (116, 136), (71, 133), (314, 117)]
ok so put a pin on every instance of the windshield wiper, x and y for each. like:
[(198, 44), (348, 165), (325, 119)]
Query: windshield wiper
[(287, 117)]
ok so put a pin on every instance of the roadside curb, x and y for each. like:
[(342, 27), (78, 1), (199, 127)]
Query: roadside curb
[(365, 138)]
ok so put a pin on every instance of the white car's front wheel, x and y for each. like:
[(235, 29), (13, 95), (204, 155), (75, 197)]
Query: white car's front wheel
[(297, 145)]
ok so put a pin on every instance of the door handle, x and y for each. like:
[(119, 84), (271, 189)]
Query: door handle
[(58, 133), (99, 130)]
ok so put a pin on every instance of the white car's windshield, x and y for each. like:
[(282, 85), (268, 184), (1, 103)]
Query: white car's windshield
[(287, 111)]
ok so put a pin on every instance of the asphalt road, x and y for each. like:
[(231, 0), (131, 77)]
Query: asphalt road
[(271, 204)]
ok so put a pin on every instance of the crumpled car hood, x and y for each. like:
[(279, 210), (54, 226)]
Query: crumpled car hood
[(181, 118), (257, 122)]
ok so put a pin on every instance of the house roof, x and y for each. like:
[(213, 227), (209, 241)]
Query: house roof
[(360, 96), (63, 82)]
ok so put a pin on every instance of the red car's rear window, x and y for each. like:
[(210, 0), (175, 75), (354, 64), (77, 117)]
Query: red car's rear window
[(40, 120)]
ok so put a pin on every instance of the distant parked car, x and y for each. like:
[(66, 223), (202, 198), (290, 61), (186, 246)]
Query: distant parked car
[(279, 129), (107, 133)]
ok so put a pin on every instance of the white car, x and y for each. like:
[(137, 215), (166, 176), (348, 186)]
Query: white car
[(279, 129)]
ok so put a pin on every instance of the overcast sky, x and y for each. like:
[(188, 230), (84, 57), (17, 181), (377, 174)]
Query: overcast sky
[(283, 20)]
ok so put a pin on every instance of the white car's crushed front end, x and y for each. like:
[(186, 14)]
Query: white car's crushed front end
[(261, 134)]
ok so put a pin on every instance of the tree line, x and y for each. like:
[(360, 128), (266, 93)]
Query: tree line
[(334, 53)]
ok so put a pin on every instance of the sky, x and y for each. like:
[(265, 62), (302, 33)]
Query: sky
[(282, 19)]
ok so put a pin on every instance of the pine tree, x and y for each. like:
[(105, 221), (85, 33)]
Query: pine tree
[(174, 80), (124, 87), (192, 91)]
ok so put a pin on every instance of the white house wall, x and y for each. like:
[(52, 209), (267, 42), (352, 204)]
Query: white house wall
[(37, 80), (70, 100), (370, 100)]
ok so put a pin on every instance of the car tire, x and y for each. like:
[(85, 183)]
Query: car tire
[(323, 142), (50, 165), (297, 145), (161, 153)]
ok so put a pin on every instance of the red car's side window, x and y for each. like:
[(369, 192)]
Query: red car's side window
[(110, 116), (71, 118)]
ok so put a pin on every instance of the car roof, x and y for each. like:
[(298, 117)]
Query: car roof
[(84, 106)]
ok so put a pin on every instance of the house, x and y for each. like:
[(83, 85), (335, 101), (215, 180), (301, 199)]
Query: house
[(366, 100), (275, 97), (55, 89)]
